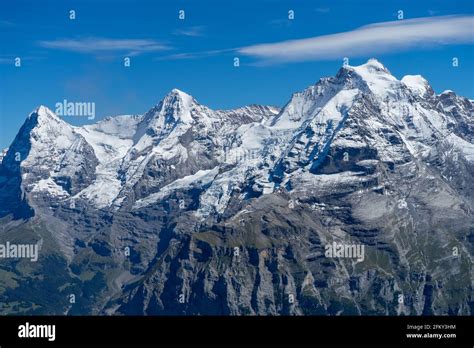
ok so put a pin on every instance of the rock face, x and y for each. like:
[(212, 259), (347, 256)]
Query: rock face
[(187, 210)]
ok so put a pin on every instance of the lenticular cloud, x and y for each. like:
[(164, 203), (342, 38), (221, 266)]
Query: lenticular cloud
[(369, 40)]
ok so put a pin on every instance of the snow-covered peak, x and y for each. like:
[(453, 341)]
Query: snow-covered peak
[(43, 123), (46, 127), (377, 78), (417, 84), (375, 65), (180, 93), (448, 92), (371, 67), (42, 109), (178, 99), (42, 114), (175, 108), (46, 147)]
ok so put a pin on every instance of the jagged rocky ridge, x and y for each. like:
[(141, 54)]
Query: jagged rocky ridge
[(188, 210)]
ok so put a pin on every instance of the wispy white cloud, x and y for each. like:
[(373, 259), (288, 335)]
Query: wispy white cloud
[(183, 56), (194, 55), (369, 40), (104, 45), (190, 31)]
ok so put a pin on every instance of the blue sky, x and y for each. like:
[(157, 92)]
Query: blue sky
[(82, 59)]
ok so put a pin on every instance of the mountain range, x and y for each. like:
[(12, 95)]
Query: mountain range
[(186, 210)]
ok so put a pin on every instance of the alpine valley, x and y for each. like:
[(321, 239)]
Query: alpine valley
[(186, 210)]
